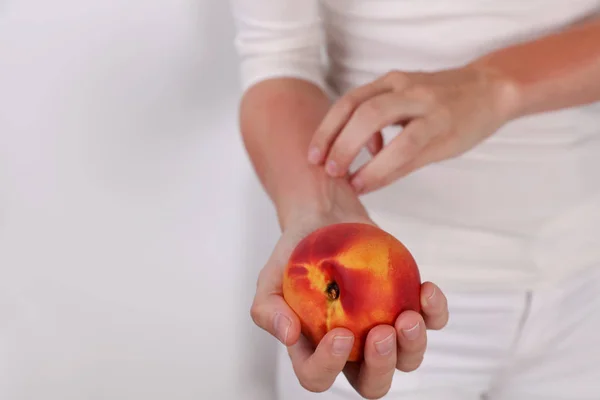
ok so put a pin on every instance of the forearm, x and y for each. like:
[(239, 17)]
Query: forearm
[(554, 72), (278, 117)]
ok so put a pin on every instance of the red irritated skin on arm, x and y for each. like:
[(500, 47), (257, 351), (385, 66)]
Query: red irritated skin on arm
[(278, 118)]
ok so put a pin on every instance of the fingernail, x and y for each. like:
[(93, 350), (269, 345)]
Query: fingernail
[(385, 346), (411, 333), (342, 345), (314, 155), (282, 327), (331, 168), (358, 184), (429, 298)]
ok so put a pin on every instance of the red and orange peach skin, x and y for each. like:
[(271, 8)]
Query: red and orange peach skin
[(350, 275)]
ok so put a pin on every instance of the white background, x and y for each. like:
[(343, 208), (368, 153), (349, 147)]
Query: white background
[(131, 225)]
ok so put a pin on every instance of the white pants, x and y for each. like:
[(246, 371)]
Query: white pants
[(543, 344)]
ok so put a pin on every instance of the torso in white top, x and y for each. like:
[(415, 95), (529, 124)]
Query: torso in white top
[(521, 209)]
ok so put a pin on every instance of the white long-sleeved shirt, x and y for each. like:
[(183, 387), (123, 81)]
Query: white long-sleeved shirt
[(522, 208)]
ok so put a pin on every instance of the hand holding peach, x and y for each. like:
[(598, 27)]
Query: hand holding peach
[(350, 275), (394, 343)]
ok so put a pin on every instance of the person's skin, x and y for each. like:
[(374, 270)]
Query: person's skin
[(448, 112), (444, 114), (278, 118)]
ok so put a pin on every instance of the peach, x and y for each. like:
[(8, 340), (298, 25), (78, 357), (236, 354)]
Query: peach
[(350, 275)]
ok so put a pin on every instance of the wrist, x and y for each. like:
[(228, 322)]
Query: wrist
[(505, 92), (328, 200)]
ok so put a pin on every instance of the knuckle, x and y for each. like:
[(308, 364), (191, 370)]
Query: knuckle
[(422, 93), (313, 385), (319, 378), (396, 78), (410, 364), (330, 370), (384, 370), (371, 110), (377, 393), (255, 313), (442, 115), (414, 141)]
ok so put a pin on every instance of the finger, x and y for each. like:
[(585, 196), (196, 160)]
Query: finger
[(430, 154), (388, 164), (272, 314), (317, 369), (370, 117), (374, 377), (270, 311), (434, 306), (338, 115), (412, 340), (375, 144)]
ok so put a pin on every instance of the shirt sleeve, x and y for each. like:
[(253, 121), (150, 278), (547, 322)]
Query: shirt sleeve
[(281, 38)]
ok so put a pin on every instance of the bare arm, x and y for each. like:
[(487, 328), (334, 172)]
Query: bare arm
[(448, 112), (554, 72), (278, 118), (283, 103)]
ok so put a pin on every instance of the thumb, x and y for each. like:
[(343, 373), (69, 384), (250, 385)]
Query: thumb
[(269, 309), (271, 313)]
